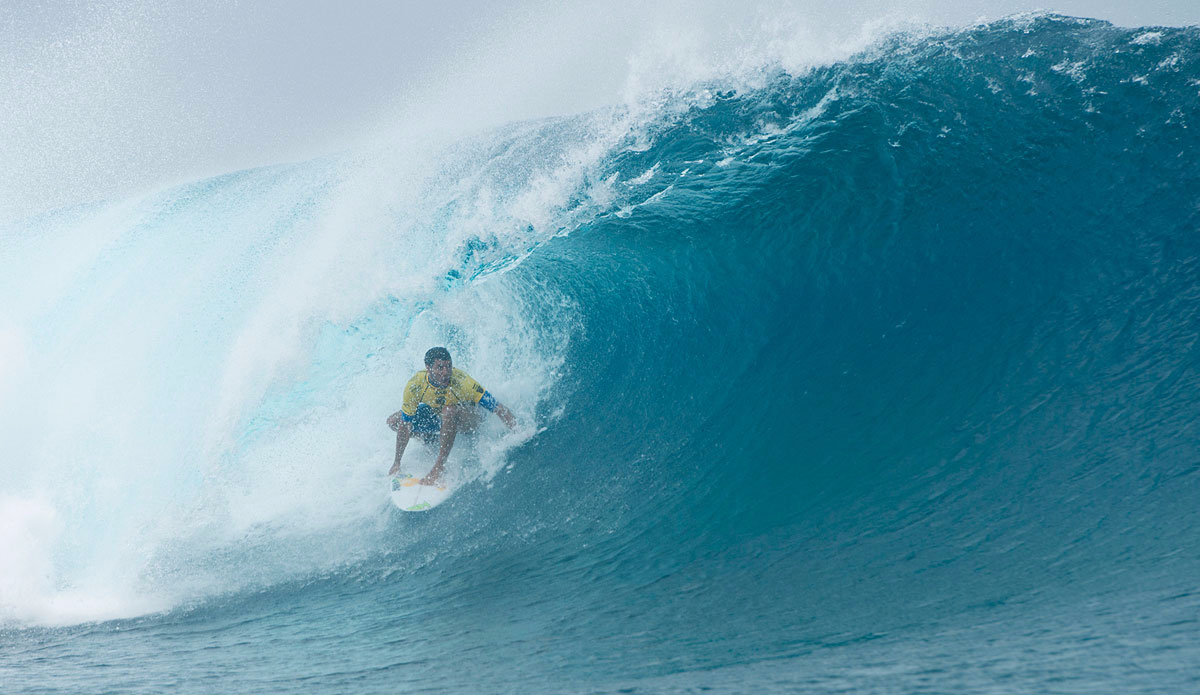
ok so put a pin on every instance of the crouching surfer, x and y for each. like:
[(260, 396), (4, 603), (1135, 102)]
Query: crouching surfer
[(440, 402)]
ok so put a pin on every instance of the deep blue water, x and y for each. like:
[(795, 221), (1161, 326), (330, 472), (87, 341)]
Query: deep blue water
[(881, 378)]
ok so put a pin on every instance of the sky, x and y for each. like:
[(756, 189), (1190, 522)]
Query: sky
[(103, 99)]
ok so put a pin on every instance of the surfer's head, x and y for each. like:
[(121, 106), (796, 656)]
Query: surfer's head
[(437, 361)]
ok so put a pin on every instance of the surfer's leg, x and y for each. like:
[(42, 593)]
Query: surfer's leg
[(403, 433), (469, 417), (453, 417)]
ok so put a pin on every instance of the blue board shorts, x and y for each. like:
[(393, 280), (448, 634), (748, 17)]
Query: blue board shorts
[(427, 421)]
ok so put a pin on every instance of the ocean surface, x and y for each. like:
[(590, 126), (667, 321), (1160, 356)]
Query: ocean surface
[(882, 377)]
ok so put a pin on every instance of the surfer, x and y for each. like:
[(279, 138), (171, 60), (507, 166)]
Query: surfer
[(440, 402)]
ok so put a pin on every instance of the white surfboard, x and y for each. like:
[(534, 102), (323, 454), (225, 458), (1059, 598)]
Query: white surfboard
[(409, 495)]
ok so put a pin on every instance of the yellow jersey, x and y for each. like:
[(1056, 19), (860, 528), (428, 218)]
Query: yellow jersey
[(461, 389)]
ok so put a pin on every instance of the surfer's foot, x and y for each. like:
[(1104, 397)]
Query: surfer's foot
[(431, 480)]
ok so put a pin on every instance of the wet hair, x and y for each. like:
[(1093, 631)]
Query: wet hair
[(437, 353)]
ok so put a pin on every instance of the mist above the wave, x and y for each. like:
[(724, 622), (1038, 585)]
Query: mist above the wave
[(108, 99)]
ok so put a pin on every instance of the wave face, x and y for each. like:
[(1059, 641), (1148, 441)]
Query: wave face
[(879, 378)]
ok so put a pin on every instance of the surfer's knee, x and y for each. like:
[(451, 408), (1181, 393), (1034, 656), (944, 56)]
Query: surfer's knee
[(452, 415)]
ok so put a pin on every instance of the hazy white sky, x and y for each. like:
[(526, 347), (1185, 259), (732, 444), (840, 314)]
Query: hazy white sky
[(100, 99)]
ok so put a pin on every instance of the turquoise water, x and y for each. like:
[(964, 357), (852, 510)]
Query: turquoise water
[(876, 379)]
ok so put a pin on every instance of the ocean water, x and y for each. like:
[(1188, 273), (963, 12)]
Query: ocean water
[(877, 378)]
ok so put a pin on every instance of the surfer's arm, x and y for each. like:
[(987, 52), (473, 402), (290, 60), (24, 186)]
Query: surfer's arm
[(506, 415), (489, 402)]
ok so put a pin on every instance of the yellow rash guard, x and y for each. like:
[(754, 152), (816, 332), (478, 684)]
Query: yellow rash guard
[(423, 402)]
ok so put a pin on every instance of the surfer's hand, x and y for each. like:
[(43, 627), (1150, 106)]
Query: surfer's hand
[(393, 421), (506, 415)]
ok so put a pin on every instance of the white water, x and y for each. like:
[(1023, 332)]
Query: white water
[(195, 382)]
